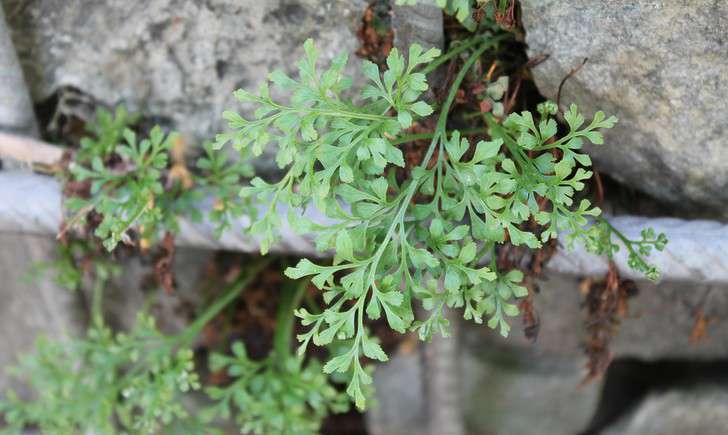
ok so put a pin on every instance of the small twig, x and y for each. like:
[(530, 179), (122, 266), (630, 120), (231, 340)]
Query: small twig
[(599, 186), (536, 60), (569, 75), (490, 71), (29, 151), (512, 98), (75, 219)]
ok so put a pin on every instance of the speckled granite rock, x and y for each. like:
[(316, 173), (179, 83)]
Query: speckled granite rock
[(175, 59), (661, 67)]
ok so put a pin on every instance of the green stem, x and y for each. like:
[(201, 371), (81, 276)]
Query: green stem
[(510, 143), (452, 53), (332, 113), (621, 236), (189, 334), (412, 137), (440, 132), (291, 295), (439, 135), (627, 242), (640, 264), (311, 304), (481, 252), (213, 310), (97, 316)]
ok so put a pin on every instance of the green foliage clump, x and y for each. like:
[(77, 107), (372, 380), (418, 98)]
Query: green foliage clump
[(127, 198), (401, 234), (105, 133), (136, 382), (221, 179), (422, 238), (275, 395), (84, 385), (322, 137), (134, 184)]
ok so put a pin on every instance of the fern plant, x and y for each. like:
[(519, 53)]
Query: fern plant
[(281, 393), (135, 382), (424, 238), (133, 190), (86, 384), (401, 233)]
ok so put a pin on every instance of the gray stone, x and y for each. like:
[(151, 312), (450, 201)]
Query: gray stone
[(505, 391), (510, 384), (417, 24), (520, 392), (16, 110), (658, 324), (399, 408), (31, 303), (125, 296), (174, 59), (660, 66), (702, 410)]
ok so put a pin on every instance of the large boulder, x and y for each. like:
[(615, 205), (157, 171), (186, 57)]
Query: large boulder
[(175, 59), (661, 67)]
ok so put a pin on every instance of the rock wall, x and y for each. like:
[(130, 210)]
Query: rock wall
[(176, 59), (31, 303), (16, 110), (511, 386), (701, 411), (661, 67)]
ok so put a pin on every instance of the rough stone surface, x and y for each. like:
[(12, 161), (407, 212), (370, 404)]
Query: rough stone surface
[(660, 66), (701, 411), (126, 297), (505, 391), (514, 392), (510, 385), (400, 398), (16, 111), (175, 59), (30, 304), (658, 324)]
